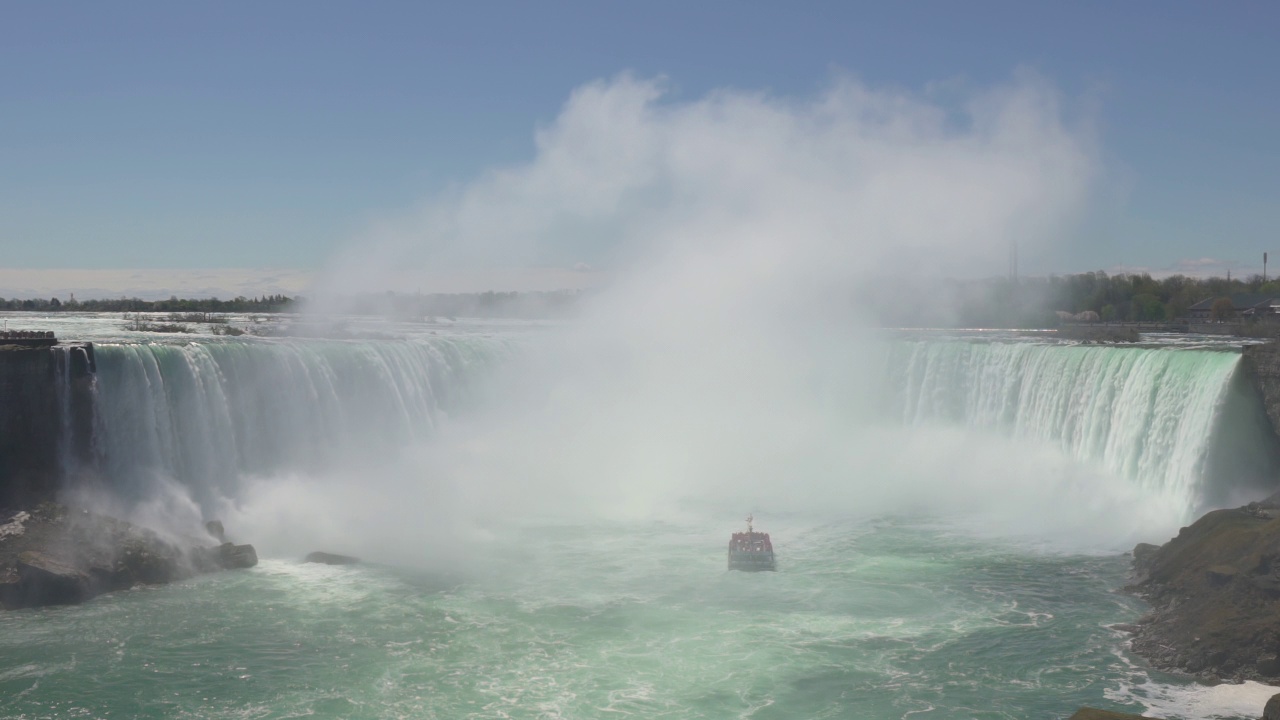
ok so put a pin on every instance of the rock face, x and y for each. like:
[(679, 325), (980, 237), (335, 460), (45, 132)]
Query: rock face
[(1215, 592), (232, 556), (45, 394), (1272, 710), (1261, 363), (28, 424), (331, 559), (53, 555), (42, 580)]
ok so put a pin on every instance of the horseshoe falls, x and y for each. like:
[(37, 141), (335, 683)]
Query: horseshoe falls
[(469, 605), (1171, 422), (208, 414)]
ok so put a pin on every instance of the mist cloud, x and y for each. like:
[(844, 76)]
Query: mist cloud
[(851, 181), (723, 366)]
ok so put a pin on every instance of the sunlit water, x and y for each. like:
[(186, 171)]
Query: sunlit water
[(883, 618), (872, 616)]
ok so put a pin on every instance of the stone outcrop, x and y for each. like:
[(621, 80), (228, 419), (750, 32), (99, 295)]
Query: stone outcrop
[(1215, 596), (43, 580), (232, 556), (29, 428), (1261, 364), (331, 559), (46, 415), (1272, 710), (53, 555)]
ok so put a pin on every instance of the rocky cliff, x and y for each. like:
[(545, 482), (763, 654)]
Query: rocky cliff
[(46, 418), (1261, 363), (1215, 596), (29, 425)]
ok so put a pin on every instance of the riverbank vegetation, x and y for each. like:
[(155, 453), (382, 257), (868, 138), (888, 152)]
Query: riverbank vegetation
[(540, 304), (1034, 302), (993, 302), (189, 306)]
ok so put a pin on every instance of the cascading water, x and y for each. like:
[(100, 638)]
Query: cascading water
[(1171, 421), (882, 614), (62, 396), (207, 413)]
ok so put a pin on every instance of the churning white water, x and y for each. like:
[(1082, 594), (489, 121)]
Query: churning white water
[(884, 605)]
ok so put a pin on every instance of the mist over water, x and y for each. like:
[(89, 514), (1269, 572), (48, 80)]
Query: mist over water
[(433, 450), (546, 508), (726, 365)]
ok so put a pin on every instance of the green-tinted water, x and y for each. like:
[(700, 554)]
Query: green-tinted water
[(871, 619)]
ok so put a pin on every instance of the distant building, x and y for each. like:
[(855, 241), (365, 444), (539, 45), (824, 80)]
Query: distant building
[(1244, 306)]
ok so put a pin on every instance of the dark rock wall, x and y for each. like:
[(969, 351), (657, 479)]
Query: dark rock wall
[(39, 419), (29, 425), (1262, 365)]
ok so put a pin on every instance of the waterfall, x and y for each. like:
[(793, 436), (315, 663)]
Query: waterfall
[(208, 413), (1168, 420), (1171, 422), (62, 392)]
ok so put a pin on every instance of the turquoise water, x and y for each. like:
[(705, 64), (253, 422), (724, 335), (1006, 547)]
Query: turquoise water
[(885, 618), (952, 552)]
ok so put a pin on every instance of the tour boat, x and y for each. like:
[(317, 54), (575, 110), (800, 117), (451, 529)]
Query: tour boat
[(751, 550)]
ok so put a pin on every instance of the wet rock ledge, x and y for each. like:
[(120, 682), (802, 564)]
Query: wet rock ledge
[(54, 555), (1215, 596)]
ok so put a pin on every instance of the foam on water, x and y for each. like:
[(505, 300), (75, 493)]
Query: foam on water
[(885, 604), (1182, 700), (882, 618)]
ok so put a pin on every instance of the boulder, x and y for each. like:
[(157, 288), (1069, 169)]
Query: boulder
[(1215, 596), (232, 556), (151, 561), (65, 556), (331, 559), (44, 580), (216, 531), (1272, 710)]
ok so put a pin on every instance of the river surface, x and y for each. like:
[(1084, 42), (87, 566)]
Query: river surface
[(880, 608)]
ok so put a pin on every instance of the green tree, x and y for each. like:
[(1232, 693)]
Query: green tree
[(1147, 307)]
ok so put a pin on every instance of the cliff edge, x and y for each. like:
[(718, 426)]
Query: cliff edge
[(1215, 596)]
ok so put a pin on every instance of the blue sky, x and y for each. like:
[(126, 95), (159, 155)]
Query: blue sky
[(247, 135)]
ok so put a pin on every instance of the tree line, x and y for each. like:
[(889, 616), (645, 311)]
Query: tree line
[(540, 304), (262, 304), (1034, 302), (1028, 302)]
